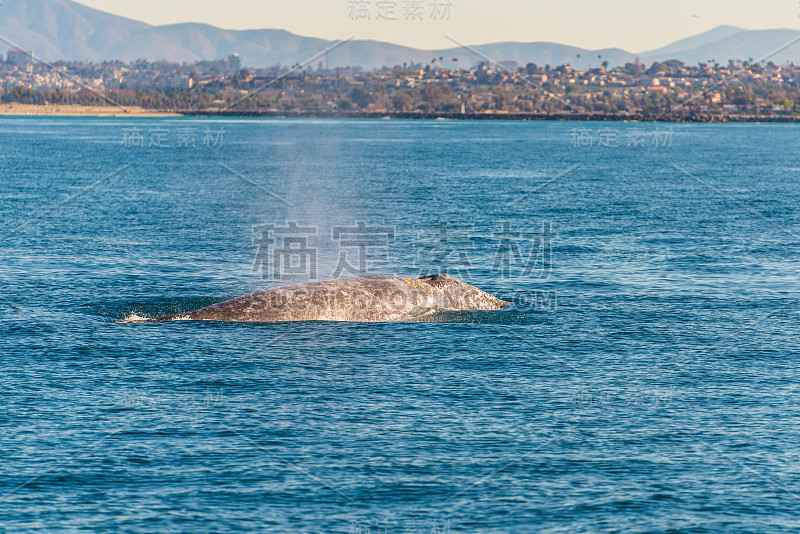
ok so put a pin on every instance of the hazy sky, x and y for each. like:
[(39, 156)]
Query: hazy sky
[(635, 25)]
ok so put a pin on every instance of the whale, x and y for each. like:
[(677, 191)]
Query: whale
[(364, 299)]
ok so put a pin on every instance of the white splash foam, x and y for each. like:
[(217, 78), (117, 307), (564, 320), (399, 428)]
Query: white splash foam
[(133, 318)]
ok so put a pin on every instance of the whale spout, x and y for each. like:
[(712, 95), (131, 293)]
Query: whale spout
[(365, 299)]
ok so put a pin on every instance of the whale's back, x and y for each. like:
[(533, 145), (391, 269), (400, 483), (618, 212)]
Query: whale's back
[(365, 299)]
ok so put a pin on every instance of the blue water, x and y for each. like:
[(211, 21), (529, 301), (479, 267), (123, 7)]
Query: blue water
[(645, 380)]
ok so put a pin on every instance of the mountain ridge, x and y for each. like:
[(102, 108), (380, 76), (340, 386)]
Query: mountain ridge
[(65, 29)]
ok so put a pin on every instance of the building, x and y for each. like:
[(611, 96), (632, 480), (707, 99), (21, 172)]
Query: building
[(20, 57), (234, 63), (509, 65), (174, 81)]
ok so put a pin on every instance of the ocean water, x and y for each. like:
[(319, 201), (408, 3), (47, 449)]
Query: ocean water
[(645, 379)]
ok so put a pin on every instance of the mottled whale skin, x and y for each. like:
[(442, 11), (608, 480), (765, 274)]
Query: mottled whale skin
[(367, 299)]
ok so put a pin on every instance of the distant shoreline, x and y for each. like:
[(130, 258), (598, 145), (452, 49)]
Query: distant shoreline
[(16, 110), (577, 117)]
